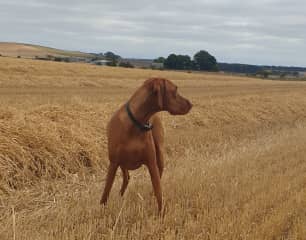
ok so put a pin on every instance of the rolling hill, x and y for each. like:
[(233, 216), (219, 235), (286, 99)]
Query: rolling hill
[(31, 51)]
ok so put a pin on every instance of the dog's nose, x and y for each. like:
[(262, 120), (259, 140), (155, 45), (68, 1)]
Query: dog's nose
[(190, 104)]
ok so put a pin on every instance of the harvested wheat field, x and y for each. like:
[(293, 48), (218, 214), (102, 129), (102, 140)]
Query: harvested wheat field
[(235, 165)]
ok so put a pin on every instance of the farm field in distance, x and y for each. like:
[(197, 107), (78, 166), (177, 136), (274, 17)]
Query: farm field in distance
[(234, 166)]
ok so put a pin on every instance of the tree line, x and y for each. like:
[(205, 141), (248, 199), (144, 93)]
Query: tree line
[(260, 69), (113, 59), (202, 60)]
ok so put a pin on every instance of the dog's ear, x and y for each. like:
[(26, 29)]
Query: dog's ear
[(158, 89)]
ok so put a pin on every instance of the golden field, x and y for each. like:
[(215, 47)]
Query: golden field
[(235, 165)]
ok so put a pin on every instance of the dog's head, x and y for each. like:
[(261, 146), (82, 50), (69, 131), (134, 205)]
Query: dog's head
[(167, 98)]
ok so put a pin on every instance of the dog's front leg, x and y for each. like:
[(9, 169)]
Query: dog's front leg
[(155, 178)]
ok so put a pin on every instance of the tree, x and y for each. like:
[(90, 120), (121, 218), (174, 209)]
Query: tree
[(183, 62), (283, 75), (111, 55), (97, 56), (204, 61), (263, 73), (126, 64), (159, 60), (171, 61), (179, 62), (112, 58)]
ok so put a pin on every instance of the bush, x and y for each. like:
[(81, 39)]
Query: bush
[(126, 65)]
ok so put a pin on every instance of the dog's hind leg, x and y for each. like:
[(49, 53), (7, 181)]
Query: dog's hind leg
[(158, 137), (109, 182), (159, 159), (126, 178)]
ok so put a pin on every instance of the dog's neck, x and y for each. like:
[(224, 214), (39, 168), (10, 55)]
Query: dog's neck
[(142, 106)]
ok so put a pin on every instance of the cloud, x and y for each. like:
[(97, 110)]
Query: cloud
[(261, 32)]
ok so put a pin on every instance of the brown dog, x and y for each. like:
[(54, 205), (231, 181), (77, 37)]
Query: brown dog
[(135, 133)]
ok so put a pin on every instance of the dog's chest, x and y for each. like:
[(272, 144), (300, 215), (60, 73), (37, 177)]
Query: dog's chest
[(134, 154)]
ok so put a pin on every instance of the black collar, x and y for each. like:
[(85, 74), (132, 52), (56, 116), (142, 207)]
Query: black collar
[(140, 126)]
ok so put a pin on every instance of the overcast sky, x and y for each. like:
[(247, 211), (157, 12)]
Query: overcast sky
[(255, 32)]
